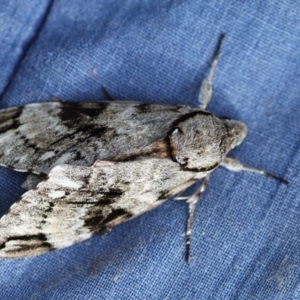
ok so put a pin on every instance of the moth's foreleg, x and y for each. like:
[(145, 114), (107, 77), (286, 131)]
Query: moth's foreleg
[(206, 88), (236, 166), (192, 200)]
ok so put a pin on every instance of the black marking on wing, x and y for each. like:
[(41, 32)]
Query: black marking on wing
[(39, 237), (30, 145), (144, 108), (93, 112), (10, 119), (106, 195), (93, 130), (113, 193), (50, 208), (102, 202), (97, 222), (133, 157), (94, 223), (73, 112), (99, 211), (97, 216), (90, 130), (10, 167), (116, 214), (163, 195), (78, 155), (36, 241), (106, 198), (45, 215)]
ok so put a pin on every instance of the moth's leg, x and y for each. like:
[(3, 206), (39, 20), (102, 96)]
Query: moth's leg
[(180, 198), (206, 88), (236, 166), (192, 201), (33, 180), (107, 95)]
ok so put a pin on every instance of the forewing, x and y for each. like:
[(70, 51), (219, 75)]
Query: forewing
[(36, 137), (76, 202)]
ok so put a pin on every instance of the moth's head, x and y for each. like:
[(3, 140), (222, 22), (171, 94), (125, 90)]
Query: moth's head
[(237, 131), (199, 141)]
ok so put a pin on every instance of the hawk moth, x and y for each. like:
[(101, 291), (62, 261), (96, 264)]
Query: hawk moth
[(105, 163)]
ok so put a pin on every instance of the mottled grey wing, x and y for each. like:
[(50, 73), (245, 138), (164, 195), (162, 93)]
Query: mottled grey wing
[(36, 137), (76, 202)]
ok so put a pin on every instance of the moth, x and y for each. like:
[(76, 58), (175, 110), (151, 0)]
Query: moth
[(104, 163)]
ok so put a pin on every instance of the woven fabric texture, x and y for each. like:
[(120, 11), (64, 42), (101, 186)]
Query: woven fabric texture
[(245, 241)]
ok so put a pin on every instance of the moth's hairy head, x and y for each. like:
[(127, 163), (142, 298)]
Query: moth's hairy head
[(237, 131), (201, 141)]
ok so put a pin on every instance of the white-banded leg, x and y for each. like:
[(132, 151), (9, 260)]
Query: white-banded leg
[(233, 164), (206, 88), (192, 201)]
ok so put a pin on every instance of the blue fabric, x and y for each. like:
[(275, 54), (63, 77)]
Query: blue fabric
[(245, 241)]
